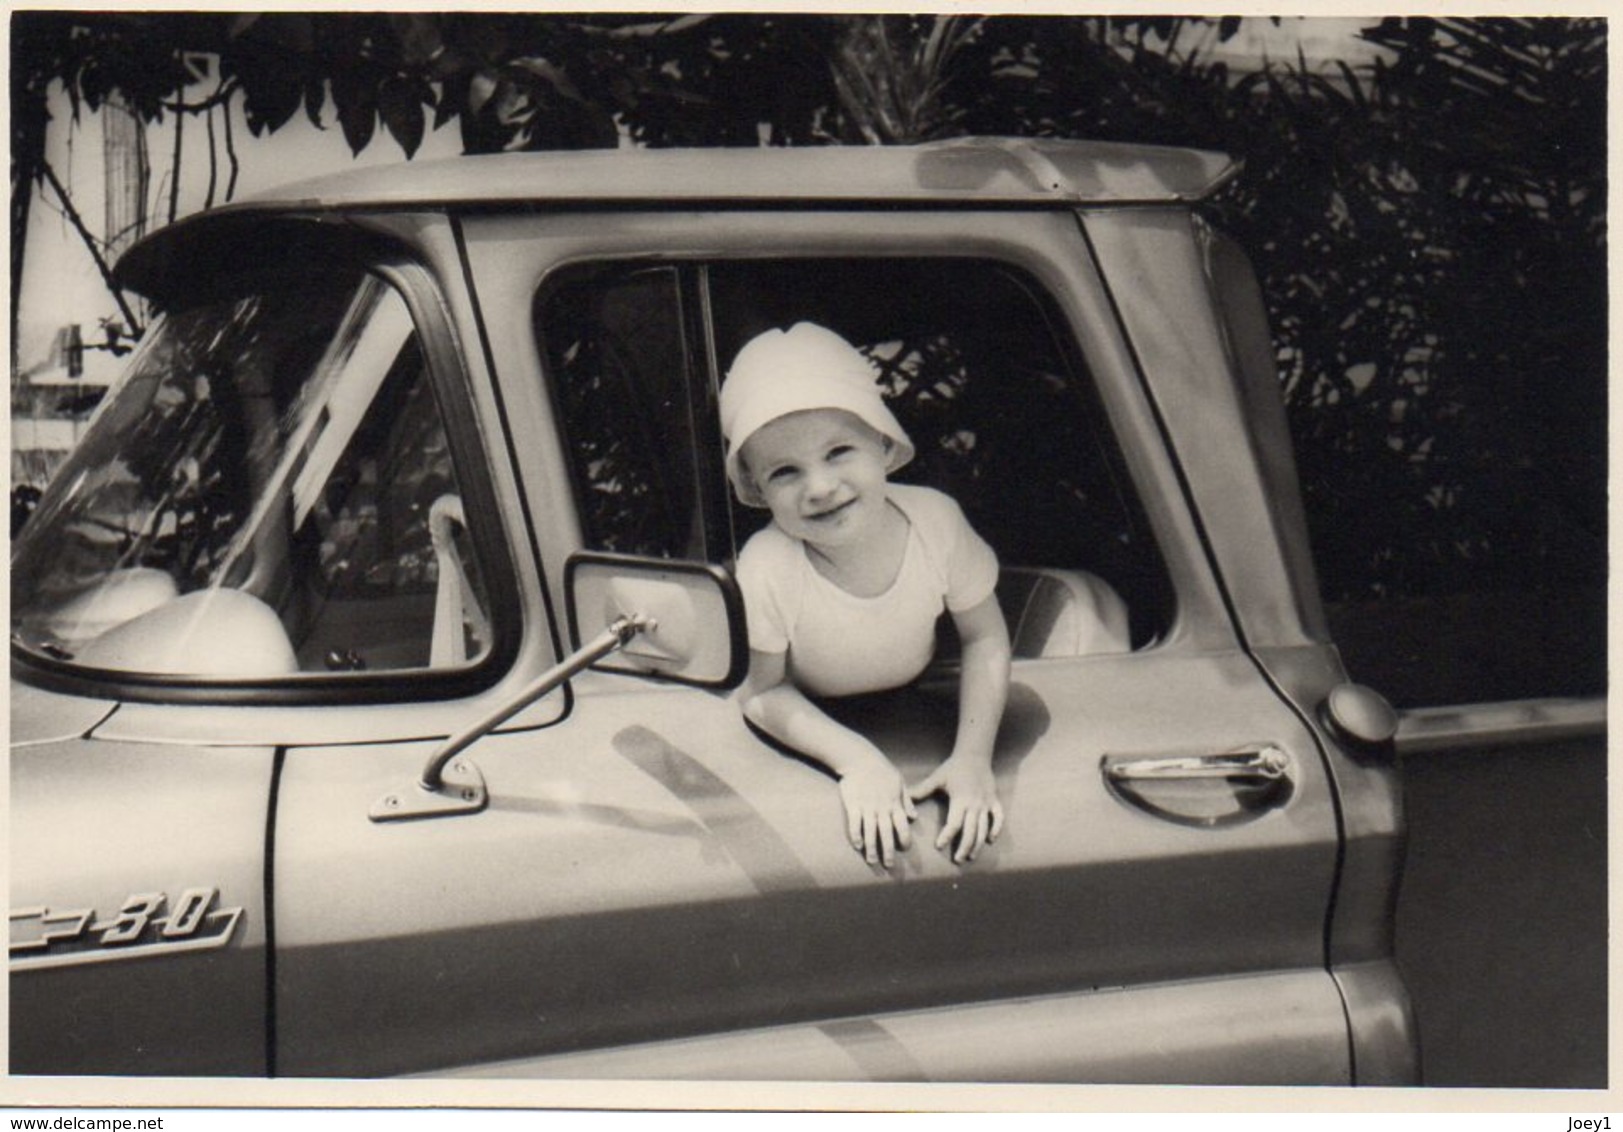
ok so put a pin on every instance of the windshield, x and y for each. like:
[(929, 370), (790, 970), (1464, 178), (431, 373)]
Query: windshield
[(268, 491)]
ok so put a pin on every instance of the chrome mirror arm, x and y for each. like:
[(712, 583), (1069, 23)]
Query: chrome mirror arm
[(615, 637), (429, 795)]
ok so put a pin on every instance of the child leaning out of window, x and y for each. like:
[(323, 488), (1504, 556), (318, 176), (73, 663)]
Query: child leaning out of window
[(842, 591)]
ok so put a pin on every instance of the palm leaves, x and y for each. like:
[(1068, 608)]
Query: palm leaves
[(1451, 409), (892, 75)]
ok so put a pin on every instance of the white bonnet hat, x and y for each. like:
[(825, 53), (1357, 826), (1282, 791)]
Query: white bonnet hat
[(807, 366)]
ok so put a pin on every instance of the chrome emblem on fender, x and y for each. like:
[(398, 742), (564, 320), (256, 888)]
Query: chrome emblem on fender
[(42, 937)]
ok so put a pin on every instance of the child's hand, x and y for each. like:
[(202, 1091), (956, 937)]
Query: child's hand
[(877, 810), (974, 814)]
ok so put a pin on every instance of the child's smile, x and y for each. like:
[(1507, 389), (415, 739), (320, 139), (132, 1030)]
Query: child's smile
[(833, 512)]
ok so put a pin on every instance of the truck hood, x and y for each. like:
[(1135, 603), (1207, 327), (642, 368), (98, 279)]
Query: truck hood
[(38, 716)]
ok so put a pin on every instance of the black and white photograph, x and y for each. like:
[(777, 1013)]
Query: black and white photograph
[(890, 559)]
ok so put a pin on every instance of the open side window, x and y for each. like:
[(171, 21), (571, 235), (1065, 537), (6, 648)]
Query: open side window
[(974, 361), (976, 365)]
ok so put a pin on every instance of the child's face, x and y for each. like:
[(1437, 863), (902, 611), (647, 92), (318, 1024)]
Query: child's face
[(822, 474)]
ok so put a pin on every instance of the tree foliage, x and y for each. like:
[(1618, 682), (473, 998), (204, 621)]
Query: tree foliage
[(1431, 241), (1431, 236)]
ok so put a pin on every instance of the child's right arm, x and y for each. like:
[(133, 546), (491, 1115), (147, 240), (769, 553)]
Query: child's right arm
[(877, 806)]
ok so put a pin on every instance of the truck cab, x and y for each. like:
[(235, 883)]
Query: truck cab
[(374, 656)]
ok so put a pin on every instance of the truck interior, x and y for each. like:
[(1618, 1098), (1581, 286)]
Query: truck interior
[(973, 360)]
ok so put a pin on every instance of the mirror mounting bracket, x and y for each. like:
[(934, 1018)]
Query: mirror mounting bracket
[(446, 788)]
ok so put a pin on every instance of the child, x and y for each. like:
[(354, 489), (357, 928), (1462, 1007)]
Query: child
[(842, 591)]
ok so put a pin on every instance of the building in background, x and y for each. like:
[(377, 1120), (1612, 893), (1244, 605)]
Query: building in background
[(60, 381)]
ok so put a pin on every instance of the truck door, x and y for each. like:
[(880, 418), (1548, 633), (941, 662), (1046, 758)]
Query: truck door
[(653, 890)]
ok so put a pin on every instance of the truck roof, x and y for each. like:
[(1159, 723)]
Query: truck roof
[(964, 170)]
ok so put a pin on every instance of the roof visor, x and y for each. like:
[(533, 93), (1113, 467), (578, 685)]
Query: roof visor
[(1078, 172), (959, 171)]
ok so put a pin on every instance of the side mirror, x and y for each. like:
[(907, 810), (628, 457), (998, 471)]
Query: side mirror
[(681, 621), (694, 611)]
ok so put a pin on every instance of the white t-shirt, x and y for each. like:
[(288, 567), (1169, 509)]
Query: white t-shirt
[(840, 644)]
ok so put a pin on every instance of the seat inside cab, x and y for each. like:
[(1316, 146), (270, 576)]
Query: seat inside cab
[(1062, 613)]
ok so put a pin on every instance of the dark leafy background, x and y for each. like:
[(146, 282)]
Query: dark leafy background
[(1430, 233)]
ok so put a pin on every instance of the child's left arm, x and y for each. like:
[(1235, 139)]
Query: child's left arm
[(974, 814)]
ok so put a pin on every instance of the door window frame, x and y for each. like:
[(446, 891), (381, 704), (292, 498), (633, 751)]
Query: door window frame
[(1058, 264)]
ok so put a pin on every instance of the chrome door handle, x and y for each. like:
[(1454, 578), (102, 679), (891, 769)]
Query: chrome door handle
[(1261, 764)]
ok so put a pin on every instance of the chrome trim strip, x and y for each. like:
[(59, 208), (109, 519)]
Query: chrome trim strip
[(1432, 730)]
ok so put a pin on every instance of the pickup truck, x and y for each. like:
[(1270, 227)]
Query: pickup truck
[(372, 657)]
